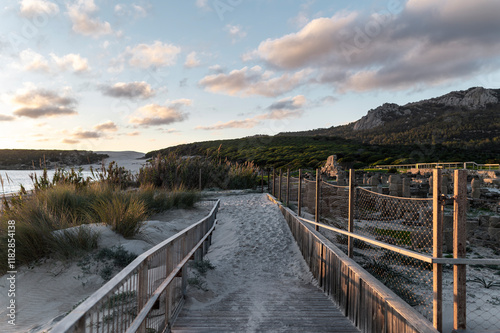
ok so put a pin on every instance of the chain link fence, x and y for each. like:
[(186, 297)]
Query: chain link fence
[(408, 224)]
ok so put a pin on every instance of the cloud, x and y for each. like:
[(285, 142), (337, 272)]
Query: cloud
[(402, 46), (33, 62), (129, 90), (247, 123), (157, 54), (33, 8), (236, 32), (191, 60), (287, 108), (70, 141), (202, 4), (81, 134), (38, 103), (4, 117), (81, 14), (156, 115), (107, 126), (253, 81), (134, 133), (290, 103), (132, 10), (71, 61)]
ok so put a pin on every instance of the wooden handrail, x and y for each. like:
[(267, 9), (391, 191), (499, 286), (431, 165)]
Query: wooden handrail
[(75, 320)]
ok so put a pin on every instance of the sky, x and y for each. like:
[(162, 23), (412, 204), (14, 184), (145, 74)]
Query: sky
[(148, 74)]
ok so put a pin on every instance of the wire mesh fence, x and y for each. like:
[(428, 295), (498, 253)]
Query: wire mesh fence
[(407, 223), (404, 223)]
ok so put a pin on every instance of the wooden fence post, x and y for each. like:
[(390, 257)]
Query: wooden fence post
[(437, 250), (299, 203), (288, 187), (459, 239), (350, 222), (316, 210), (279, 184), (268, 181), (199, 184), (274, 183), (262, 180), (142, 290)]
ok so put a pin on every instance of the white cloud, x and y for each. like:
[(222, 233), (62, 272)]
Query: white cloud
[(107, 126), (81, 14), (236, 32), (157, 54), (132, 10), (33, 8), (253, 81), (32, 61), (37, 103), (191, 60), (157, 115), (71, 61)]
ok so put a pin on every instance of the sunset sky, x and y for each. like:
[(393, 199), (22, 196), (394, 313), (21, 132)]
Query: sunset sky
[(148, 74)]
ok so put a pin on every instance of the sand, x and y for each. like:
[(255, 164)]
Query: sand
[(48, 290)]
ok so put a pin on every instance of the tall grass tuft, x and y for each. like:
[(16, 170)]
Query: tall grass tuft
[(123, 212)]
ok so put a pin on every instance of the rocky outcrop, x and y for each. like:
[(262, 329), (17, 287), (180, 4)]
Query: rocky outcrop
[(473, 98), (376, 117)]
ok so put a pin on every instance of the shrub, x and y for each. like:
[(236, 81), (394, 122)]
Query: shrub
[(122, 212)]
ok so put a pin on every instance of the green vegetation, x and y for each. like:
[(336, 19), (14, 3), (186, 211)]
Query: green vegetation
[(12, 159), (172, 171), (48, 222), (312, 151)]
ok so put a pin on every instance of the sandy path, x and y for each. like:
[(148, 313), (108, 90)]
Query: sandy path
[(260, 282)]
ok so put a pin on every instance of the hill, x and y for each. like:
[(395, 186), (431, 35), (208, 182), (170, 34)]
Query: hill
[(468, 118), (24, 159), (459, 126)]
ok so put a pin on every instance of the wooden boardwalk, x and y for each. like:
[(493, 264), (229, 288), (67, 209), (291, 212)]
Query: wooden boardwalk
[(260, 283)]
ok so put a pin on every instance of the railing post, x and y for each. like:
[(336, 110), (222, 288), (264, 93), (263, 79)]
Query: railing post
[(437, 250), (261, 180), (459, 239), (279, 185), (274, 183), (199, 181), (350, 221), (142, 290), (168, 294), (316, 208), (299, 203), (268, 181), (288, 187)]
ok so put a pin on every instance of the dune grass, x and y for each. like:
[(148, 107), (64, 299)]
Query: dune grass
[(47, 219)]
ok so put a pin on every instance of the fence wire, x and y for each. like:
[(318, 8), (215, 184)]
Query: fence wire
[(404, 222)]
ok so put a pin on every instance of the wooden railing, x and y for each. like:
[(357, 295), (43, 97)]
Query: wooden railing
[(442, 165), (147, 295), (367, 302)]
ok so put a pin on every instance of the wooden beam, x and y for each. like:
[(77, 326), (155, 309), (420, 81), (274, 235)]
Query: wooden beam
[(299, 203), (350, 221), (437, 250), (316, 210), (288, 187), (459, 248)]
